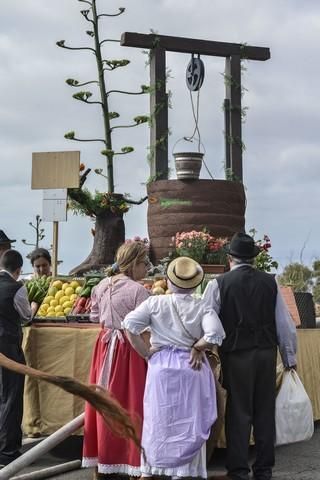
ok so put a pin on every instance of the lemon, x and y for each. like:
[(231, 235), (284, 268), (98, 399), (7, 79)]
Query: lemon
[(67, 304), (65, 285), (54, 303), (67, 311), (50, 311), (59, 294), (58, 284), (52, 291), (74, 284), (69, 291), (44, 307), (78, 290), (73, 297), (58, 309), (63, 299), (48, 299)]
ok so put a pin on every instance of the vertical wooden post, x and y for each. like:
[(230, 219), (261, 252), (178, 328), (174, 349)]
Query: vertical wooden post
[(233, 93), (226, 108), (55, 249), (159, 115)]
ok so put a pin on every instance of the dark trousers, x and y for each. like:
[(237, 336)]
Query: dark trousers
[(250, 379), (11, 405)]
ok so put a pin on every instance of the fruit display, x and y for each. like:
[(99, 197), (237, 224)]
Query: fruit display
[(157, 286), (37, 288), (82, 305), (60, 298)]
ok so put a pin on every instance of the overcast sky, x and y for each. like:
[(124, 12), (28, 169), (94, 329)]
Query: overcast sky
[(281, 133)]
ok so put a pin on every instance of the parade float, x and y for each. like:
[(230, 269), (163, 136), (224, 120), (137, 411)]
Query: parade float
[(176, 207)]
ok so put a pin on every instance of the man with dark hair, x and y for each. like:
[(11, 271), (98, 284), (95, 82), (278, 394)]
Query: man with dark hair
[(14, 310), (256, 321), (5, 243)]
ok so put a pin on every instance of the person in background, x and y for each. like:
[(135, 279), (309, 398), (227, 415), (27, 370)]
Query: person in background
[(256, 321), (180, 396), (40, 260), (14, 310), (115, 364), (5, 243)]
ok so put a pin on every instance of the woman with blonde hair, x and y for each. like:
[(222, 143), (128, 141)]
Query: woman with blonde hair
[(115, 364)]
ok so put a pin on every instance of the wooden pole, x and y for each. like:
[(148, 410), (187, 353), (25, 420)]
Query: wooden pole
[(159, 115), (233, 93), (55, 249), (50, 471), (41, 448)]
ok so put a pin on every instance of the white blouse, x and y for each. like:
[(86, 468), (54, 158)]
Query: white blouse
[(162, 312)]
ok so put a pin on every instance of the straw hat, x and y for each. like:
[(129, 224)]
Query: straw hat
[(184, 272)]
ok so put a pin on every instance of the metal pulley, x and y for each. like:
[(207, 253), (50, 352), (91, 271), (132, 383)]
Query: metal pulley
[(195, 73)]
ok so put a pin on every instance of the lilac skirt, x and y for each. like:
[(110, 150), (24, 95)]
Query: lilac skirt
[(179, 408)]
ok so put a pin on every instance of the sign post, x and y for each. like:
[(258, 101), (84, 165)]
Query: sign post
[(54, 209), (55, 172)]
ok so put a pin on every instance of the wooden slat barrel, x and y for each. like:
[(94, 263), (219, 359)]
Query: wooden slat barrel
[(176, 206)]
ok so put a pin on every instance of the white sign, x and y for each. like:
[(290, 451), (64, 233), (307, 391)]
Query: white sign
[(54, 205)]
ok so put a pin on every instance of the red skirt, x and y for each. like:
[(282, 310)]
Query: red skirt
[(126, 383)]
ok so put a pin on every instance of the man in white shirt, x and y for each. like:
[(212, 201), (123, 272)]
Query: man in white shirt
[(256, 321)]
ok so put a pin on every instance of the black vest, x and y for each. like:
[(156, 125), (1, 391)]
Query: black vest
[(248, 300), (10, 324)]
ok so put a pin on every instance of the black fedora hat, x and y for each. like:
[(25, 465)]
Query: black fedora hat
[(242, 246), (4, 238)]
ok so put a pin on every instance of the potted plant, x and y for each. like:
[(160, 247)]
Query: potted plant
[(202, 247)]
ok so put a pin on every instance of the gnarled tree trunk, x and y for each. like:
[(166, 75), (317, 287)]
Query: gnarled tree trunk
[(109, 235)]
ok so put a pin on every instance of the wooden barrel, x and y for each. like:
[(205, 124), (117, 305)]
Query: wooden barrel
[(177, 206)]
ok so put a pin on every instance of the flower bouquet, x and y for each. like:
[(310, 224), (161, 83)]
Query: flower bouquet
[(263, 260), (201, 246)]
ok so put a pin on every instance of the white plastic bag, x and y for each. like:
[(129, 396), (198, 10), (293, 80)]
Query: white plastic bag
[(294, 416)]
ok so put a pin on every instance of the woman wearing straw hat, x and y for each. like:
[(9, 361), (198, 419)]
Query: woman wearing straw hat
[(180, 397)]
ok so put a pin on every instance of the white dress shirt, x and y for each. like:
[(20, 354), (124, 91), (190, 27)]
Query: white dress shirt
[(286, 330), (165, 314)]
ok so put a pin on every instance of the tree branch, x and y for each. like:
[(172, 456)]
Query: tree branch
[(62, 45), (135, 202), (74, 83), (83, 177), (124, 126), (142, 91), (109, 40), (121, 11), (71, 136)]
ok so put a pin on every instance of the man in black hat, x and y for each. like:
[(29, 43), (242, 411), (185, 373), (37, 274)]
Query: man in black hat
[(5, 243), (256, 321), (14, 309)]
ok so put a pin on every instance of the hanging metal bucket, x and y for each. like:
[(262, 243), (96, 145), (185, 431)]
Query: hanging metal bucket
[(188, 165)]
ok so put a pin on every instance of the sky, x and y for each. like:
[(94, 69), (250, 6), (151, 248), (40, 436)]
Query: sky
[(281, 162)]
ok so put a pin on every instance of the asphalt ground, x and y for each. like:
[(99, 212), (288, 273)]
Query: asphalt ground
[(299, 461)]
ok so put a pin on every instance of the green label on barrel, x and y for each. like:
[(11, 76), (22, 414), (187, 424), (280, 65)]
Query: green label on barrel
[(170, 202)]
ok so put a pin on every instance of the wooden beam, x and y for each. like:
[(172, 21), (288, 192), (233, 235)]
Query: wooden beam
[(191, 45), (233, 93), (226, 108), (159, 115)]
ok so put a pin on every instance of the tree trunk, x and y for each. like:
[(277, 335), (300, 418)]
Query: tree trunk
[(109, 235)]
